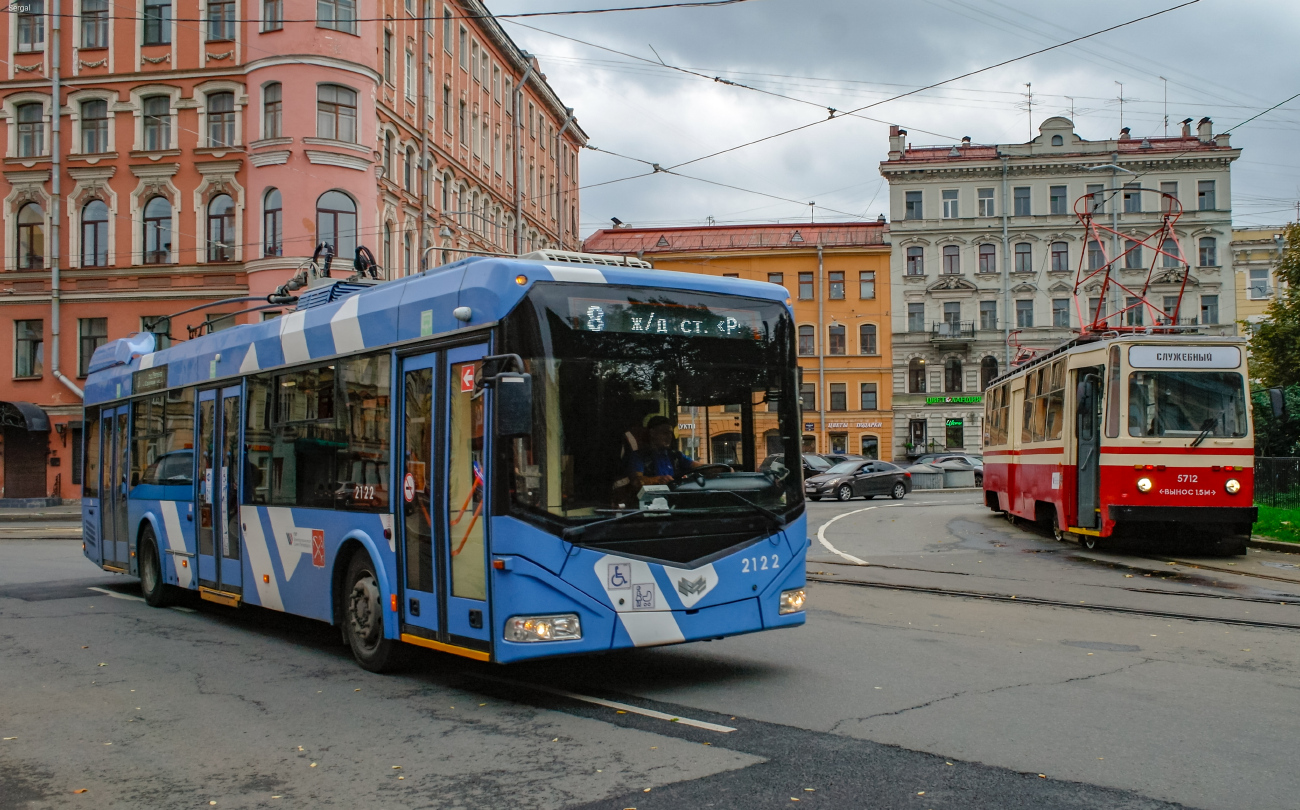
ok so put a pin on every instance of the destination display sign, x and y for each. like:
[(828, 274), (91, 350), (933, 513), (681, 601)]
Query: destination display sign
[(594, 315), (150, 379), (1184, 357)]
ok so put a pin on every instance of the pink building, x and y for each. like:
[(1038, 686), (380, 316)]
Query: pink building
[(202, 149)]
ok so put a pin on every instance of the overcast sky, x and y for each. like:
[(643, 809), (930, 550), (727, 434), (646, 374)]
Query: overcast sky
[(1223, 58)]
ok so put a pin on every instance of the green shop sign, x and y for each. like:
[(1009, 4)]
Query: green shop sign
[(953, 400)]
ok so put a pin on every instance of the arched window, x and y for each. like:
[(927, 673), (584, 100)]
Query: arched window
[(221, 119), (31, 237), (406, 255), (271, 110), (1209, 254), (1171, 254), (916, 375), (1060, 257), (221, 229), (272, 224), (988, 371), (388, 159), (31, 129), (446, 194), (988, 258), (158, 231), (867, 338), (94, 234), (1057, 140), (837, 342), (1024, 258), (952, 375), (409, 171), (336, 112), (807, 341), (951, 259), (336, 223), (916, 261)]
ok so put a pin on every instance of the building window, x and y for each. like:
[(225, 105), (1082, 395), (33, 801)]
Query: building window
[(988, 258), (157, 22), (1205, 195), (409, 171), (951, 260), (776, 278), (340, 15), (1132, 255), (916, 317), (1170, 254), (406, 255), (272, 224), (386, 160), (1170, 314), (952, 317), (988, 371), (31, 129), (839, 397), (221, 119), (807, 341), (952, 375), (988, 315), (1209, 251), (31, 237), (92, 333), (1170, 202), (272, 15), (1096, 198), (1209, 309), (157, 123), (157, 231), (954, 430), (1058, 140), (916, 375), (1096, 256), (915, 261), (950, 204), (31, 25), (912, 209), (386, 255), (808, 396), (464, 51), (1056, 198), (221, 20), (1060, 257), (221, 229), (94, 24), (1133, 308), (866, 284), (94, 234), (1024, 314), (464, 138), (838, 341), (271, 110), (1097, 309), (336, 223), (1020, 196), (408, 77), (836, 280), (94, 127), (1258, 286), (868, 394), (29, 348), (336, 113), (1061, 312), (986, 206), (867, 338), (871, 447), (1024, 258), (1132, 198), (806, 286), (447, 42)]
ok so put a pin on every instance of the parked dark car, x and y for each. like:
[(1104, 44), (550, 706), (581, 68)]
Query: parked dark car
[(840, 458), (859, 479), (813, 464)]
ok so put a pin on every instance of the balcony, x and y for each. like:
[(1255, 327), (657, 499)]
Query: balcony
[(952, 333)]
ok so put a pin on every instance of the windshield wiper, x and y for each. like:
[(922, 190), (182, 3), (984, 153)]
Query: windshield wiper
[(1206, 427), (578, 531), (768, 513)]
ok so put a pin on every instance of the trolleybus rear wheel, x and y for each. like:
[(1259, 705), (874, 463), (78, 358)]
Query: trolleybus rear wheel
[(156, 592), (363, 618), (844, 493)]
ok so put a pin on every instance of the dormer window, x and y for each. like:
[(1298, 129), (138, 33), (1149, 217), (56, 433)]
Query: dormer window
[(1057, 140)]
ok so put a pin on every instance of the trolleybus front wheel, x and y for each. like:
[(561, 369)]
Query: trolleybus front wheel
[(363, 618), (156, 592)]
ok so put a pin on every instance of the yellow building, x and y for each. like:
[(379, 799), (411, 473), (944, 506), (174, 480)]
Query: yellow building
[(1255, 253), (838, 278)]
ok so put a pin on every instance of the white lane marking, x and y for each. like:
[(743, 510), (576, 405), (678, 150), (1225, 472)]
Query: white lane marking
[(821, 535), (614, 704), (117, 595)]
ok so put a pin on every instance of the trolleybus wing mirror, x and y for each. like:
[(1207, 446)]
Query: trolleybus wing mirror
[(514, 405), (1277, 398)]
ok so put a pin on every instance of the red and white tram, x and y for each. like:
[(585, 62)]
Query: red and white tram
[(1126, 435)]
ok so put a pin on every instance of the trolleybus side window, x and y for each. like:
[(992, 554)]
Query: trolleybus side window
[(164, 439), (1112, 395), (90, 489)]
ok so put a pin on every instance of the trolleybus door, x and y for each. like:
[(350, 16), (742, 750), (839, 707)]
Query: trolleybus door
[(116, 424), (1088, 448), (418, 502), (220, 552), (464, 497)]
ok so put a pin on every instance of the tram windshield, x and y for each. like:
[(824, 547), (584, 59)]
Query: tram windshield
[(1187, 404), (656, 406)]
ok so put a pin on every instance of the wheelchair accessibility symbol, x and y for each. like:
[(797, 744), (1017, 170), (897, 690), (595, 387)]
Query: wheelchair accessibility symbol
[(620, 576)]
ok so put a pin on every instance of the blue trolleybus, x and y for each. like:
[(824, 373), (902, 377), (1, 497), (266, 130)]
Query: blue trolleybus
[(500, 458)]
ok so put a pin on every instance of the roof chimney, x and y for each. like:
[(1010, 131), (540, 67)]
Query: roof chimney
[(1205, 130), (1187, 127), (897, 137), (965, 140), (881, 219)]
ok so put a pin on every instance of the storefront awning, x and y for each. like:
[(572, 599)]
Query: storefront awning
[(24, 415)]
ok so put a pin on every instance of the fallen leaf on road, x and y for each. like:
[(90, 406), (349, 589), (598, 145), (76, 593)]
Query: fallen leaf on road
[(401, 777), (1042, 776), (85, 648), (103, 665), (300, 748), (313, 764), (11, 738), (397, 767), (1128, 576), (647, 790), (920, 793), (79, 790), (358, 690)]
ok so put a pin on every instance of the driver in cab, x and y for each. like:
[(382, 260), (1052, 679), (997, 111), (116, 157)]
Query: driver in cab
[(659, 462)]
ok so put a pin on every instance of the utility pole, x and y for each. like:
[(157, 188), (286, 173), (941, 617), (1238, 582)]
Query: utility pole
[(1121, 105), (1166, 84), (1029, 92)]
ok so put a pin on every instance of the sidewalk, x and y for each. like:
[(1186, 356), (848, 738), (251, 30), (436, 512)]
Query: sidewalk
[(41, 523), (61, 514)]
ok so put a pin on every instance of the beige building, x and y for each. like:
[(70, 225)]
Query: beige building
[(1255, 253)]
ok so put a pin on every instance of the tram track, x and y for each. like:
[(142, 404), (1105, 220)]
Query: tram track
[(1031, 600)]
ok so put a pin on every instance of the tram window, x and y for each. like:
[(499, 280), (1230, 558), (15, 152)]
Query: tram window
[(1186, 403), (997, 416), (1112, 395), (1044, 408)]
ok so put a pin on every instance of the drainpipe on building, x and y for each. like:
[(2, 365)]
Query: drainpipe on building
[(559, 173), (518, 156), (56, 103), (821, 350), (1006, 273), (422, 115)]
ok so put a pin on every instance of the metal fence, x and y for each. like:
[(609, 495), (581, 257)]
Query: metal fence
[(1277, 482)]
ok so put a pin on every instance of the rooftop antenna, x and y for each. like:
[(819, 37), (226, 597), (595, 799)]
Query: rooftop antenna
[(812, 212), (1071, 98), (1121, 105), (1166, 83), (1029, 92)]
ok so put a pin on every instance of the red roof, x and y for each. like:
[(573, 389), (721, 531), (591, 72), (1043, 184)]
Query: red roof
[(736, 237)]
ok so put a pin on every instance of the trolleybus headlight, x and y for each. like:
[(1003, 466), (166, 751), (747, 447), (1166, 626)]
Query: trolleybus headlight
[(792, 601), (1144, 485), (1233, 486), (564, 627)]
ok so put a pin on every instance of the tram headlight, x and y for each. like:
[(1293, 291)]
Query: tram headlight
[(1233, 486), (562, 627), (1144, 485), (792, 601)]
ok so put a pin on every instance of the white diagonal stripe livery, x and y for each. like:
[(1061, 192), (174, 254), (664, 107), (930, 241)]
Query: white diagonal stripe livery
[(293, 340), (282, 529), (250, 360), (577, 275), (259, 559), (695, 591), (646, 628), (146, 361), (175, 541), (346, 328)]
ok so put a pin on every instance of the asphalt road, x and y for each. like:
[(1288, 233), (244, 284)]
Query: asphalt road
[(923, 685)]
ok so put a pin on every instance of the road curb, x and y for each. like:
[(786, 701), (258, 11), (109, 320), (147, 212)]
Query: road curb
[(1274, 545)]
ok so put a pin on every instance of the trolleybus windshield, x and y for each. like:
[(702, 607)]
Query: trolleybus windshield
[(605, 361), (1187, 404)]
